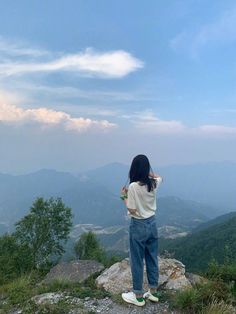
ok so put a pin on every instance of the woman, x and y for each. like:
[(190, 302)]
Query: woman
[(140, 200)]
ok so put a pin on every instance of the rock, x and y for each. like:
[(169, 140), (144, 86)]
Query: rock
[(74, 271), (172, 274), (117, 278), (51, 298), (195, 279)]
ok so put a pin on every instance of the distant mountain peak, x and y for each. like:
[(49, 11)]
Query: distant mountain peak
[(49, 171)]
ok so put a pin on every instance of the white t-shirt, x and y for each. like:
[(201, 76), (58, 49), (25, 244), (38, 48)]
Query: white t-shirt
[(143, 201)]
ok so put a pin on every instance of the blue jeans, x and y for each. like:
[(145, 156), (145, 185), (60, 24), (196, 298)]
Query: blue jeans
[(143, 240)]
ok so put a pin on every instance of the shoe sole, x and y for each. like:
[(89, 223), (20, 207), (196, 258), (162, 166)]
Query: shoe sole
[(151, 298), (129, 301)]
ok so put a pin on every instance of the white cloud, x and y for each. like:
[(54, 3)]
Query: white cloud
[(221, 30), (111, 64), (13, 98), (10, 48), (217, 130), (148, 122), (16, 115)]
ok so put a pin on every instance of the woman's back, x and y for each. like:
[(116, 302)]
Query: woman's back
[(142, 200)]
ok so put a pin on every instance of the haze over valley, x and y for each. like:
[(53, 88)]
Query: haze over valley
[(189, 196)]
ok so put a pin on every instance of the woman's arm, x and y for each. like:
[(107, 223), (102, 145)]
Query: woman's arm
[(124, 197), (131, 210)]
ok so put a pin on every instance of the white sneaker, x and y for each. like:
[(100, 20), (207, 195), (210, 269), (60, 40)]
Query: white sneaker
[(130, 297), (151, 296)]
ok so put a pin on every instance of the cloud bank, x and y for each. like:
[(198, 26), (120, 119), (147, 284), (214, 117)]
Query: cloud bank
[(148, 122), (12, 114)]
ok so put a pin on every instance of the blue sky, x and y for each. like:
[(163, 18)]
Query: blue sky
[(84, 83)]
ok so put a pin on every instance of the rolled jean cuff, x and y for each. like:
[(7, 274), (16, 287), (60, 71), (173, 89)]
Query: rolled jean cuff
[(138, 291), (153, 286)]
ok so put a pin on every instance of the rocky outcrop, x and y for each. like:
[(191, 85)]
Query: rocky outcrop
[(74, 271), (105, 305), (117, 278), (172, 274), (50, 298)]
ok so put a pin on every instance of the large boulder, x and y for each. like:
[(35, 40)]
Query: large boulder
[(117, 278), (74, 271)]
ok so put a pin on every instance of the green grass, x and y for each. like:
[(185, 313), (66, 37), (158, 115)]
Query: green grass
[(218, 307), (61, 307), (54, 286), (187, 300), (225, 271), (87, 289), (117, 298), (19, 292), (201, 296), (215, 296)]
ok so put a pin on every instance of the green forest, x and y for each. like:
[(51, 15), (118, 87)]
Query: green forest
[(216, 242)]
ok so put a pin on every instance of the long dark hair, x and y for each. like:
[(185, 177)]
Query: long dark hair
[(140, 170)]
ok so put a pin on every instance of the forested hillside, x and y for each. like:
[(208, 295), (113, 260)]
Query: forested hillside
[(197, 250), (218, 220)]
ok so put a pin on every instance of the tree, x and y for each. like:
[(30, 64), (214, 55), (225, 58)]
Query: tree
[(14, 259), (45, 229), (88, 247)]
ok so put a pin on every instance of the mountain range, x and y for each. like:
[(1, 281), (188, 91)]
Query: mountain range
[(94, 195), (210, 183)]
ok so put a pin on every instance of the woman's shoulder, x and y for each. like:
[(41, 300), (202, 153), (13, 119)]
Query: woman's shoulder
[(133, 185), (137, 186)]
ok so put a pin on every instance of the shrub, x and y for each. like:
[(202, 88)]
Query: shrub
[(196, 299), (226, 271), (186, 300), (19, 290), (88, 247), (14, 259)]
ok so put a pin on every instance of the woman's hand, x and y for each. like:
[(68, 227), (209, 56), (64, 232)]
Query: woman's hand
[(124, 193), (155, 176), (124, 190), (132, 211)]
